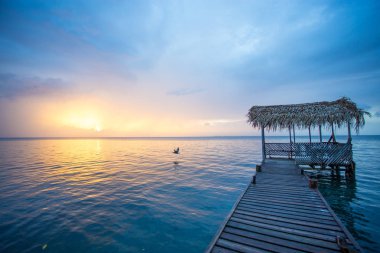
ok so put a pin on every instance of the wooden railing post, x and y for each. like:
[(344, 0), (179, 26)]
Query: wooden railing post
[(309, 135), (263, 142), (290, 141), (294, 135), (349, 132), (332, 132)]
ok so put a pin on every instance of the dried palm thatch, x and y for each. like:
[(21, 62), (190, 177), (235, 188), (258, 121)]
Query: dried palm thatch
[(339, 112)]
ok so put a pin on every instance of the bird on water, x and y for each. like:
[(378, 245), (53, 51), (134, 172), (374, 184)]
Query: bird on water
[(176, 151)]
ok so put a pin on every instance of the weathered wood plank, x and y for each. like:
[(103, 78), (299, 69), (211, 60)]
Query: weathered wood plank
[(218, 249), (257, 243), (269, 237), (238, 247), (286, 231), (297, 203), (284, 194), (280, 213), (288, 225), (321, 212), (288, 199), (255, 208), (309, 200), (284, 203), (248, 216), (288, 216), (291, 228), (290, 189)]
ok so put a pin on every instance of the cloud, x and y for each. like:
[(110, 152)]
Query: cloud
[(221, 57), (184, 91), (15, 86), (214, 122), (364, 106)]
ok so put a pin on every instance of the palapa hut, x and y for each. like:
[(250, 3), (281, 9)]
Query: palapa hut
[(340, 113)]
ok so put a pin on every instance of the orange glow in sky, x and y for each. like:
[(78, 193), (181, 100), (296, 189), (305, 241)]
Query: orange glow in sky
[(168, 69)]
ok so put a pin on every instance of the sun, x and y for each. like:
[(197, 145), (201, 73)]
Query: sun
[(98, 128), (87, 121)]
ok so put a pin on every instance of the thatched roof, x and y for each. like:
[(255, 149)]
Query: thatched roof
[(338, 112)]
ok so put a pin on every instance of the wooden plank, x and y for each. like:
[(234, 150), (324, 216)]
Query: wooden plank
[(288, 216), (321, 212), (278, 200), (238, 247), (284, 194), (307, 211), (287, 231), (281, 211), (252, 242), (248, 216), (303, 200), (284, 200), (273, 238), (254, 220), (293, 235), (274, 178), (298, 190), (284, 203), (297, 204), (218, 249)]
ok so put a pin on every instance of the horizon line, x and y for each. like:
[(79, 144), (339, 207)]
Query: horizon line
[(172, 137)]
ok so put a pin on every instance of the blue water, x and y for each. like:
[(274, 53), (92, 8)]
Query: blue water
[(134, 195)]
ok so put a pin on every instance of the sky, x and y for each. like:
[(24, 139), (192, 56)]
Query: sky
[(179, 68)]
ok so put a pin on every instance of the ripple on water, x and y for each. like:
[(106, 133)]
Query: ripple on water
[(118, 195)]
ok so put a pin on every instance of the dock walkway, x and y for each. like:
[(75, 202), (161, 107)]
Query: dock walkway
[(280, 213)]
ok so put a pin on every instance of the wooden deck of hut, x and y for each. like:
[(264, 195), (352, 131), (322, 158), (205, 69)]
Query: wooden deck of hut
[(279, 211)]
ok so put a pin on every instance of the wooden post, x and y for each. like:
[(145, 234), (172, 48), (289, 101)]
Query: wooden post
[(290, 141), (294, 141), (263, 142), (320, 133), (258, 167), (309, 135), (254, 178), (349, 131), (332, 132), (313, 183)]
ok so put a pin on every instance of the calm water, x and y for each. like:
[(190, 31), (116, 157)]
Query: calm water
[(120, 195)]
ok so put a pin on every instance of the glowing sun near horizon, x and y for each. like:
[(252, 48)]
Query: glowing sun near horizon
[(86, 122)]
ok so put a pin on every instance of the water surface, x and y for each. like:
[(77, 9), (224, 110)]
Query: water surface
[(134, 195)]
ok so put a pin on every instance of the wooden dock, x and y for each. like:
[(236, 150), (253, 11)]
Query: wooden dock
[(280, 213)]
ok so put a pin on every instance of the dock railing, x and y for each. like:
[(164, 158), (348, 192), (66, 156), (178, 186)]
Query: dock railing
[(315, 153), (282, 150)]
